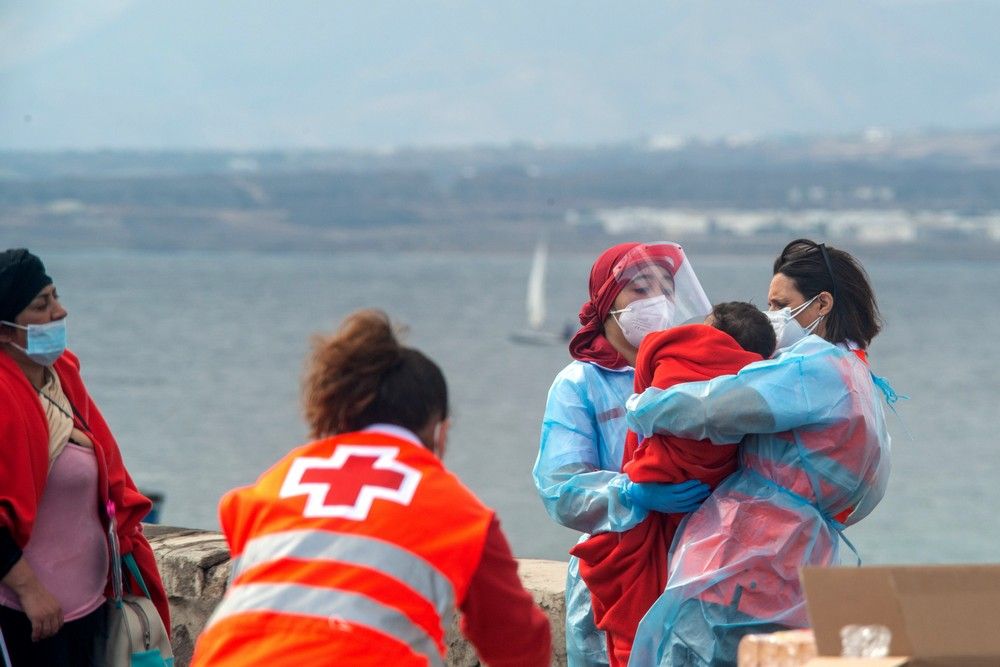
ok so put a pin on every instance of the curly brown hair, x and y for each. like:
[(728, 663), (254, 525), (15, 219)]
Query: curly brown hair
[(362, 375)]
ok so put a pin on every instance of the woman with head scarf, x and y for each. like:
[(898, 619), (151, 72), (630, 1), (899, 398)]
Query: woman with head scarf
[(635, 289), (814, 456), (60, 467)]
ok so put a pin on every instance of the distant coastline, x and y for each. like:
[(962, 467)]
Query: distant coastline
[(925, 194)]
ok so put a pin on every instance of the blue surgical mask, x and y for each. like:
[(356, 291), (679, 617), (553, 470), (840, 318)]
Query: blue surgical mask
[(46, 342), (787, 329)]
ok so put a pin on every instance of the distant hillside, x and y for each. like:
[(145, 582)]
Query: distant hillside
[(925, 185)]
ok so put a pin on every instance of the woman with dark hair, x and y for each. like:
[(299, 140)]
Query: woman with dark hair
[(356, 549), (60, 468), (814, 456), (635, 289), (829, 289)]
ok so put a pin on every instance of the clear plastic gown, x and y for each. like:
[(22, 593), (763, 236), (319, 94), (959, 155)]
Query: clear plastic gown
[(815, 446), (578, 477)]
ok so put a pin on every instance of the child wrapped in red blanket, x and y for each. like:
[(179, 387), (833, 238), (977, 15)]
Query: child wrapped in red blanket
[(626, 572)]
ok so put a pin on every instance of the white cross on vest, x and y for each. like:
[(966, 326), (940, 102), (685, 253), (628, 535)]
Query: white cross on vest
[(347, 483)]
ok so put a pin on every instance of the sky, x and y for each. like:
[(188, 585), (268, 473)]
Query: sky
[(256, 74)]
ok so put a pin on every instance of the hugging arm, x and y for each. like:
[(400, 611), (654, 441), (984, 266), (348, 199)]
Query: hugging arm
[(770, 396)]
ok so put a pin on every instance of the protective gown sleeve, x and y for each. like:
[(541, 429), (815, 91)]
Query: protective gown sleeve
[(764, 397), (576, 492)]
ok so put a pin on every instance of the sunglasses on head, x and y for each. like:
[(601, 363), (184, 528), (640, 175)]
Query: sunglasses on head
[(799, 249)]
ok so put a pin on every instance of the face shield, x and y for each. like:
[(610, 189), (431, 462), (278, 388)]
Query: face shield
[(657, 289)]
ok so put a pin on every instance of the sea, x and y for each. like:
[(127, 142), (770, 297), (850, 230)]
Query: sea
[(196, 361)]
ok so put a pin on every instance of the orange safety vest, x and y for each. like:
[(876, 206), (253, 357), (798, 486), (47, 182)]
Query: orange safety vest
[(352, 550)]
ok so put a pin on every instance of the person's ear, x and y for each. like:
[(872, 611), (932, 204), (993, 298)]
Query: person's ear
[(7, 333), (441, 437), (825, 301)]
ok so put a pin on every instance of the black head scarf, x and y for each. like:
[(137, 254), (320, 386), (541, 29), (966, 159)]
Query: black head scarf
[(22, 277)]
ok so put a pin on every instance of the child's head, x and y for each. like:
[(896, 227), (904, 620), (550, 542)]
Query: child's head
[(746, 324)]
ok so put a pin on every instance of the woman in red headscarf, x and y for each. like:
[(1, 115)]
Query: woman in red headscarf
[(635, 289)]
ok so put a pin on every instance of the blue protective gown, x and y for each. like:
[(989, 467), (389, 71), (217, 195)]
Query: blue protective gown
[(815, 446), (578, 476)]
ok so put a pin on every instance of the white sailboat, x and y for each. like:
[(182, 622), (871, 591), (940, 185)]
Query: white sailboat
[(535, 303)]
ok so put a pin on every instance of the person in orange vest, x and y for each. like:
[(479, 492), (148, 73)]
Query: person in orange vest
[(357, 548)]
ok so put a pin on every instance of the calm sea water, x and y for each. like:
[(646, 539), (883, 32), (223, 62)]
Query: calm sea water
[(195, 360)]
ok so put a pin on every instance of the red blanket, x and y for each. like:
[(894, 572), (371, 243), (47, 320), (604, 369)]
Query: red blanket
[(626, 572), (24, 466)]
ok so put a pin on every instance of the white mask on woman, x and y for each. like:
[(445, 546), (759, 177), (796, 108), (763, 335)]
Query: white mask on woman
[(787, 329), (644, 316)]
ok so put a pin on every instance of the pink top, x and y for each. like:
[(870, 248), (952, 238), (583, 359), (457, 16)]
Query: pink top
[(68, 549)]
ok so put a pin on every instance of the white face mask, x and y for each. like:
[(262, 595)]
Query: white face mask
[(787, 329), (644, 316)]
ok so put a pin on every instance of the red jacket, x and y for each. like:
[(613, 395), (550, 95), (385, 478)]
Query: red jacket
[(626, 572), (24, 466)]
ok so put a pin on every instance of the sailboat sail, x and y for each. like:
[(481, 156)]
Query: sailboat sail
[(534, 334), (536, 288)]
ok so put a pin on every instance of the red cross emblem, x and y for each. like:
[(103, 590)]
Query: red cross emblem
[(347, 483)]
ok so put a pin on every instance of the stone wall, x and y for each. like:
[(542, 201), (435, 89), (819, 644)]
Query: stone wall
[(195, 568)]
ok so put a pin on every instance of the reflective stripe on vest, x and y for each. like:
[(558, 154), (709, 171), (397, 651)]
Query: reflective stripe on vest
[(367, 552), (327, 603)]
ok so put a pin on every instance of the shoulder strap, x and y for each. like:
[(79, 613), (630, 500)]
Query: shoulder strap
[(133, 567), (117, 560)]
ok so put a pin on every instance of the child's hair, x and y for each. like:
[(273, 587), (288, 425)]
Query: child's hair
[(361, 375), (747, 325)]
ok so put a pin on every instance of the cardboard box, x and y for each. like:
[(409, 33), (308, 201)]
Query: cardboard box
[(938, 615), (858, 662), (790, 648)]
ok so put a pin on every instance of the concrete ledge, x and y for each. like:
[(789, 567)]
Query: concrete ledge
[(194, 565)]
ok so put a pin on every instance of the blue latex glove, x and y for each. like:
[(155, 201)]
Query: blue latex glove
[(682, 498)]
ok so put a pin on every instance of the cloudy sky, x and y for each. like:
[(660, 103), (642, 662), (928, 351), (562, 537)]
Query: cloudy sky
[(261, 74)]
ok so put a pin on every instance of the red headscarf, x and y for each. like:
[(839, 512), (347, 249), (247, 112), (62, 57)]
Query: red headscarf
[(606, 283)]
